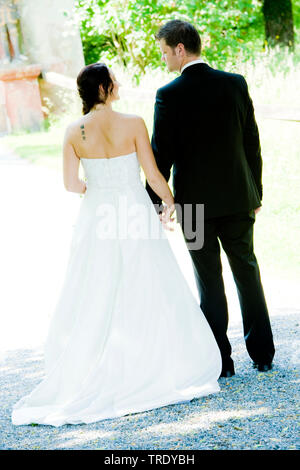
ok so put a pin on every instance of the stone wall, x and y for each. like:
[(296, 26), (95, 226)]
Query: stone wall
[(50, 42), (50, 36)]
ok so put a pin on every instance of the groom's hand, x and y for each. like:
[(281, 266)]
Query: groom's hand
[(257, 210)]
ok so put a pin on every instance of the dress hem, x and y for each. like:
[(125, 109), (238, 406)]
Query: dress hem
[(207, 390)]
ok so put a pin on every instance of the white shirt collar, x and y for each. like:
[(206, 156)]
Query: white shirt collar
[(197, 61)]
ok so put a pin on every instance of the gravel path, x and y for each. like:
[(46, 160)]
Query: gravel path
[(252, 411)]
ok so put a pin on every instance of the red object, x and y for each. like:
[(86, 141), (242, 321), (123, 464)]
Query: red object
[(22, 97)]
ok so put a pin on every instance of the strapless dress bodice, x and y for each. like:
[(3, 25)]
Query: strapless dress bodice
[(115, 172)]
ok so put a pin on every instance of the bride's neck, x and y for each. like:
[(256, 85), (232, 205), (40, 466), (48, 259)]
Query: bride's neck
[(102, 107)]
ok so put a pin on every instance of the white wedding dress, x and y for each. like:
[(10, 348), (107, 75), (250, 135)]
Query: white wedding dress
[(127, 334)]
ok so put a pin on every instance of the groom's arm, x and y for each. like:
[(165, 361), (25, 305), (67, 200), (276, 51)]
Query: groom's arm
[(161, 142), (252, 143)]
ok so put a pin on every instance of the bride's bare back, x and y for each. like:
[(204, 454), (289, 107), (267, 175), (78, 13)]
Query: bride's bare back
[(104, 134)]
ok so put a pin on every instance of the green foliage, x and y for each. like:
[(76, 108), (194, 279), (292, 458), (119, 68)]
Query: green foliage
[(296, 14), (229, 29), (123, 31)]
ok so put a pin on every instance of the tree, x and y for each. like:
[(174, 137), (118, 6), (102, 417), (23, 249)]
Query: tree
[(124, 30), (279, 24)]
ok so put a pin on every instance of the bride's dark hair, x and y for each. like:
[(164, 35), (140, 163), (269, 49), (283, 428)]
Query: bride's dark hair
[(88, 81)]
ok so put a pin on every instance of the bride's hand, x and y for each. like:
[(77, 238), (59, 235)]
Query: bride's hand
[(166, 217), (83, 187)]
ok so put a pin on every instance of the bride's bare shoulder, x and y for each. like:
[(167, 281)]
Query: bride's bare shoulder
[(132, 122), (73, 127), (130, 118)]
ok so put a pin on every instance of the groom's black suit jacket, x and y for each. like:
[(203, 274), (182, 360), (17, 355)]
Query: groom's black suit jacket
[(204, 126)]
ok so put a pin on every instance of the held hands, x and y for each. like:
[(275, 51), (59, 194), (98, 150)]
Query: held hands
[(168, 210), (166, 216)]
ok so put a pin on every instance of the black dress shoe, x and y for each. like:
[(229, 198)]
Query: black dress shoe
[(227, 373), (262, 367)]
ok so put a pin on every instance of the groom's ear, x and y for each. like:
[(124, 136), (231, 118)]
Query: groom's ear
[(180, 48)]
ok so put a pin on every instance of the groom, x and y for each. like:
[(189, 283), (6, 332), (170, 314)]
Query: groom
[(204, 126)]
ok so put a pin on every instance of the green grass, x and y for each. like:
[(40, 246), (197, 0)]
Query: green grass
[(277, 228), (41, 148)]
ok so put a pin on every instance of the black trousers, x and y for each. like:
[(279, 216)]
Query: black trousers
[(235, 232)]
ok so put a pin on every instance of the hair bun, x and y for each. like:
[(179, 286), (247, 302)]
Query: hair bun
[(88, 81)]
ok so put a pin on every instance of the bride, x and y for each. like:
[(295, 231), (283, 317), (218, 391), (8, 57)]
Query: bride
[(127, 334)]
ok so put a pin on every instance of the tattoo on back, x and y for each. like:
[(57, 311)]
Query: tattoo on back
[(83, 132)]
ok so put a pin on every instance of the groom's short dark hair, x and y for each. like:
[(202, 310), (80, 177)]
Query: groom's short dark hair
[(176, 31)]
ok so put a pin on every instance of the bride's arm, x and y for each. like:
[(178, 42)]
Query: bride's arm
[(147, 160), (70, 166)]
